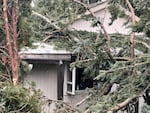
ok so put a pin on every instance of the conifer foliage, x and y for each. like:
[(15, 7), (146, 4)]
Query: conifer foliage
[(15, 32), (97, 53)]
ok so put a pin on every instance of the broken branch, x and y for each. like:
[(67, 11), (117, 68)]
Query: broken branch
[(120, 106)]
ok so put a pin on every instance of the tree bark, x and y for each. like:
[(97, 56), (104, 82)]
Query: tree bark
[(11, 39), (15, 37)]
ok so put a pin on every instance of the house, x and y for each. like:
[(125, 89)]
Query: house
[(50, 70), (100, 9), (50, 67)]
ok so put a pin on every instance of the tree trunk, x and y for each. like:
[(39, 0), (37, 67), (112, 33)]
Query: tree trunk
[(11, 39), (15, 37)]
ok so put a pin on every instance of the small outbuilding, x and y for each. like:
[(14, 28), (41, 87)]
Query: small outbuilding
[(52, 75)]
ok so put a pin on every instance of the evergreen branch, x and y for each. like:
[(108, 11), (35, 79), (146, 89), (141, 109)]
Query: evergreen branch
[(128, 13), (83, 61), (51, 34), (64, 103), (122, 68), (131, 66), (128, 59), (45, 18), (108, 38), (143, 43), (18, 111)]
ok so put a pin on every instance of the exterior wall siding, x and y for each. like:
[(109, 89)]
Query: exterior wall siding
[(104, 15), (45, 77)]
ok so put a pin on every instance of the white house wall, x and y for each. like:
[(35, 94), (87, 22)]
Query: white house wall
[(45, 77), (104, 15)]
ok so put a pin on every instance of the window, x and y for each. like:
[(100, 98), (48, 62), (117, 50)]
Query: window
[(71, 78)]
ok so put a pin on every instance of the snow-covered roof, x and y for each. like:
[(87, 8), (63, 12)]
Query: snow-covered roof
[(43, 51), (43, 48)]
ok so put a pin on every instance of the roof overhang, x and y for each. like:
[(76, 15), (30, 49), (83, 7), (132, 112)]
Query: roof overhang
[(44, 52)]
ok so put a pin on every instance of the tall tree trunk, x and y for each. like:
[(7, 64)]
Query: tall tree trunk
[(11, 39), (15, 36)]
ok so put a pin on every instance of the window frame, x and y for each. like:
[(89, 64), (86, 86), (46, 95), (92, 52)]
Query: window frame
[(71, 83)]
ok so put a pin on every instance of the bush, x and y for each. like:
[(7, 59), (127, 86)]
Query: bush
[(16, 99)]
